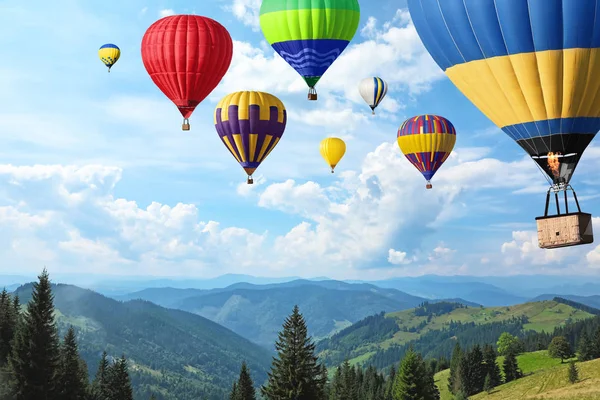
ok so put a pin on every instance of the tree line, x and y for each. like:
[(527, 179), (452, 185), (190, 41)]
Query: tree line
[(36, 365)]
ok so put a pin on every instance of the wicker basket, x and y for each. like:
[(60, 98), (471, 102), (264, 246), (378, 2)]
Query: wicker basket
[(564, 230)]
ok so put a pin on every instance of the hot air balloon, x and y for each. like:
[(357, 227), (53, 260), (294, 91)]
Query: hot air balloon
[(109, 54), (250, 124), (332, 150), (532, 68), (309, 35), (186, 56), (427, 141), (373, 90)]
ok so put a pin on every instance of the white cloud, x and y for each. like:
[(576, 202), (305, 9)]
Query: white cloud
[(397, 257), (166, 12), (524, 248), (247, 12)]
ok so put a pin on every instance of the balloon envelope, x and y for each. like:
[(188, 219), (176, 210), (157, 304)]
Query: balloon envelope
[(186, 56), (250, 124), (309, 34), (109, 54), (532, 67), (332, 150), (426, 141), (373, 90)]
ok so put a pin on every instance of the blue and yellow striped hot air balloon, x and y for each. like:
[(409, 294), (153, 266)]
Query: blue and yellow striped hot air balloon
[(531, 66), (373, 90), (427, 141), (309, 34), (109, 54), (250, 124)]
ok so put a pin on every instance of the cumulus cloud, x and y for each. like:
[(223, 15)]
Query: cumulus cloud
[(397, 257), (247, 12), (166, 12)]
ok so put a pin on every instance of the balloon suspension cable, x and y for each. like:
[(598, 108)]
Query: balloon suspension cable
[(556, 189), (312, 93), (428, 185), (250, 181), (332, 170), (186, 125), (372, 110)]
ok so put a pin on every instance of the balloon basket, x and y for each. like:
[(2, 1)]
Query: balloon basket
[(312, 94), (428, 185), (564, 229), (250, 181)]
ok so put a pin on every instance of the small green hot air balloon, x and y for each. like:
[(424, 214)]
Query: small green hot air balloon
[(309, 34)]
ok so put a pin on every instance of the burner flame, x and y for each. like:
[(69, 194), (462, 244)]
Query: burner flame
[(554, 163)]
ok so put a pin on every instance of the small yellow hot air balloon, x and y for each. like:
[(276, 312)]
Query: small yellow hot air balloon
[(109, 54), (332, 150)]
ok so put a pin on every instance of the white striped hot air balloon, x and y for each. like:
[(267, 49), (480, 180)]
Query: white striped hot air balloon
[(373, 90)]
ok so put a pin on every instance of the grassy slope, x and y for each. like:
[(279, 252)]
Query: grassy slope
[(546, 377), (543, 315)]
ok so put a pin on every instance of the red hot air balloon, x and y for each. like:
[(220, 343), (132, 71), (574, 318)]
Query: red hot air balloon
[(186, 56)]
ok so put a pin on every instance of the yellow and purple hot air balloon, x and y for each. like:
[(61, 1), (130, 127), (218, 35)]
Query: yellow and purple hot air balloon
[(427, 141), (533, 68), (109, 54), (309, 34), (250, 124)]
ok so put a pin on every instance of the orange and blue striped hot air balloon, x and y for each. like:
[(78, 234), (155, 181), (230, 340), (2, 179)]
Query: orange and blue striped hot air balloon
[(427, 141)]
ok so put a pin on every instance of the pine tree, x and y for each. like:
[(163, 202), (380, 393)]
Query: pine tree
[(487, 384), (7, 326), (476, 369), (389, 386), (234, 394), (585, 348), (34, 360), (295, 373), (491, 366), (246, 389), (511, 368), (336, 387), (573, 372), (596, 345), (101, 383), (119, 381), (560, 348), (71, 383), (413, 381), (454, 366)]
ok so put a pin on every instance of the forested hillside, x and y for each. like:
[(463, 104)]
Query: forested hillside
[(433, 329), (181, 355)]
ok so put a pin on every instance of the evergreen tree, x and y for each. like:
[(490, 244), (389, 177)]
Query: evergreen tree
[(454, 366), (413, 381), (337, 385), (585, 348), (596, 345), (7, 326), (235, 394), (491, 366), (389, 386), (72, 383), (573, 372), (511, 368), (295, 373), (487, 384), (246, 389), (560, 348), (119, 382), (35, 356), (472, 371), (101, 383)]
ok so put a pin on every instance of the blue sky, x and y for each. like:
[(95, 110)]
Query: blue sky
[(97, 177)]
